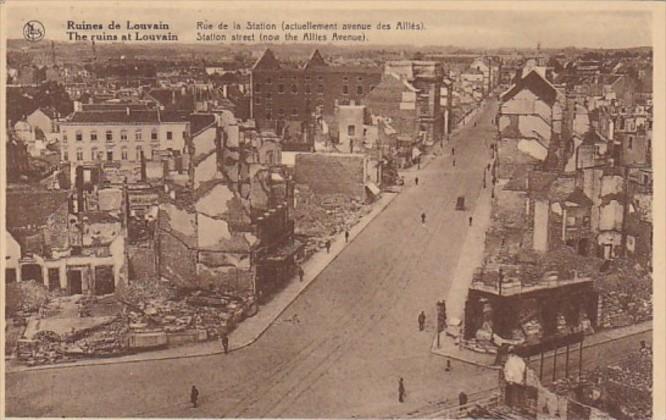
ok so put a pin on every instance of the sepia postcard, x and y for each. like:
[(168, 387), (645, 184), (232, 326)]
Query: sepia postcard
[(310, 209)]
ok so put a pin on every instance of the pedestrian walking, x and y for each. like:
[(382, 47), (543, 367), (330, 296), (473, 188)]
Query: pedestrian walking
[(448, 365), (454, 162), (194, 396), (422, 319), (453, 151), (401, 390), (470, 220), (301, 273), (225, 342), (423, 218), (462, 398), (346, 235), (416, 180), (328, 246)]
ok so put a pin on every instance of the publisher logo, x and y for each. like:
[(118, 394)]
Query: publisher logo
[(33, 31)]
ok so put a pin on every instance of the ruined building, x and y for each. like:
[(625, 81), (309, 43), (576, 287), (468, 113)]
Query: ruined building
[(231, 228)]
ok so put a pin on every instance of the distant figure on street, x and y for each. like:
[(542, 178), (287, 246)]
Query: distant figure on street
[(328, 246), (448, 365), (489, 166), (346, 235), (224, 339), (462, 398), (416, 180), (453, 151), (422, 318), (301, 273), (401, 390), (423, 217), (454, 162), (194, 396), (470, 220)]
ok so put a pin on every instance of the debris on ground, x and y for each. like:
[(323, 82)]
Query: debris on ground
[(318, 217)]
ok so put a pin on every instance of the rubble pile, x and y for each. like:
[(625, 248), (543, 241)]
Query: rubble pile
[(32, 295), (626, 296), (45, 348), (105, 340), (318, 217), (200, 310), (624, 389)]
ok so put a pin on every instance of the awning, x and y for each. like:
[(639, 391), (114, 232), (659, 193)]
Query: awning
[(374, 189), (286, 251)]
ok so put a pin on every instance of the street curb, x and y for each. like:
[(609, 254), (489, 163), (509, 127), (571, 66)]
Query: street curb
[(213, 353), (112, 361), (546, 355)]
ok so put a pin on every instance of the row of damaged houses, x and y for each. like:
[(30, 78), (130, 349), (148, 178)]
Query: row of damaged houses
[(210, 199), (572, 192)]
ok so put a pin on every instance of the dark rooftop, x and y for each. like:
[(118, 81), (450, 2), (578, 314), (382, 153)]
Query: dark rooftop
[(133, 116), (535, 84)]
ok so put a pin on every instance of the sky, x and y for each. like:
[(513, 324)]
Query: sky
[(491, 25)]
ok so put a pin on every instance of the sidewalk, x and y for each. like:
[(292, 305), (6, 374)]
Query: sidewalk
[(448, 347), (250, 329)]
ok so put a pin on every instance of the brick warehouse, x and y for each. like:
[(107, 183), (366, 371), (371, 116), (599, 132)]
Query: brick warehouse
[(285, 95)]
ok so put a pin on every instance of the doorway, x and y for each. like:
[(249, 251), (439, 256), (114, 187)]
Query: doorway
[(74, 282), (54, 279), (104, 282)]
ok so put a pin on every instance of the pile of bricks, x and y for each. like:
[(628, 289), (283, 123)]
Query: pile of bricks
[(626, 296), (318, 217)]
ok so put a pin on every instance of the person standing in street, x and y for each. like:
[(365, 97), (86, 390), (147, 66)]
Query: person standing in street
[(462, 398), (346, 235), (470, 220), (194, 396), (225, 342), (401, 390), (454, 162), (301, 273), (453, 151), (423, 218), (422, 319), (328, 246), (416, 180)]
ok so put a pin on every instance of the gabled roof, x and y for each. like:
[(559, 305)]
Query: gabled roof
[(535, 84), (315, 60), (267, 61), (200, 122)]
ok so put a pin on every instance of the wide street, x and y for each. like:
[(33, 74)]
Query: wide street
[(338, 350)]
